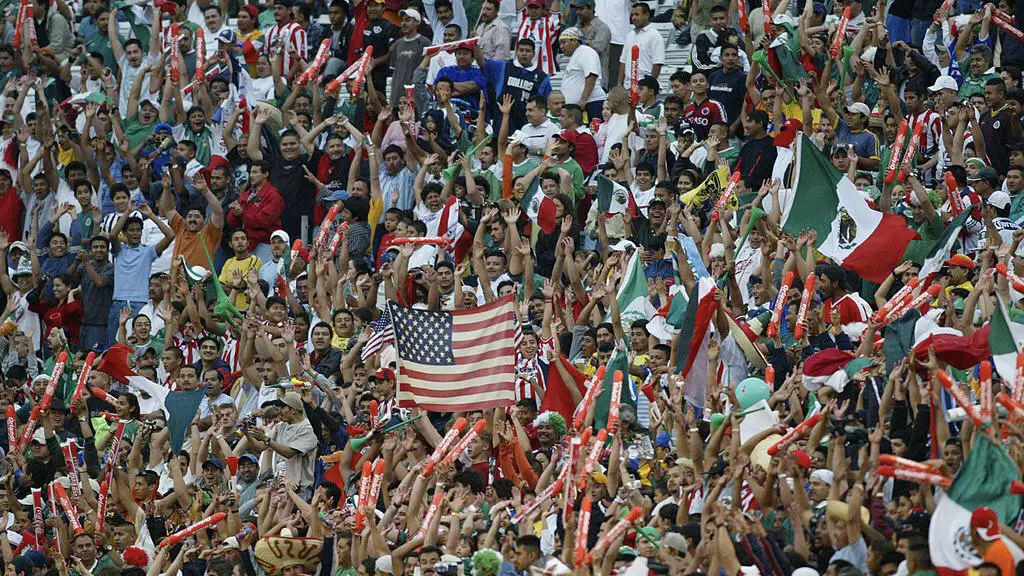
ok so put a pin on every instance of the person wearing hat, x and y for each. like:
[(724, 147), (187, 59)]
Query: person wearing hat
[(852, 130), (287, 38), (249, 37), (596, 34), (947, 90), (246, 483), (292, 441), (541, 26), (380, 33), (581, 80), (213, 475), (494, 35), (407, 52), (960, 267), (997, 216), (987, 542)]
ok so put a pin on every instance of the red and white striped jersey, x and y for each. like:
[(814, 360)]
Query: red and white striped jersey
[(932, 138), (189, 349), (231, 354), (285, 35), (542, 32)]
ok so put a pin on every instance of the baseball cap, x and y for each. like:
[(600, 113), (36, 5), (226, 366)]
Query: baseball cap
[(962, 260), (282, 235), (290, 399), (250, 457), (39, 437), (944, 83), (583, 4), (19, 245), (622, 246), (802, 459), (226, 36), (215, 462), (859, 108), (412, 13), (149, 101), (985, 173), (535, 2), (569, 136), (999, 199), (663, 440), (571, 33), (819, 9), (385, 374), (253, 11), (649, 82), (986, 523), (384, 565)]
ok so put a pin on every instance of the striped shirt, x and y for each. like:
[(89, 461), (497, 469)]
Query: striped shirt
[(290, 33), (931, 140), (542, 32)]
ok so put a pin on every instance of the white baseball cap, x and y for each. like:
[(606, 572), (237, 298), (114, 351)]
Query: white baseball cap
[(412, 13), (944, 83)]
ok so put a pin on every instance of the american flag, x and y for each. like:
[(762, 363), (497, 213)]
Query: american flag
[(456, 361), (383, 334)]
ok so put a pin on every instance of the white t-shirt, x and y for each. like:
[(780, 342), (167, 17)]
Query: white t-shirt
[(652, 51), (614, 13), (583, 63)]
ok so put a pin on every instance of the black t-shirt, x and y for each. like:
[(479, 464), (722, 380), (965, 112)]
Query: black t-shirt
[(298, 193), (380, 34), (729, 88), (757, 159)]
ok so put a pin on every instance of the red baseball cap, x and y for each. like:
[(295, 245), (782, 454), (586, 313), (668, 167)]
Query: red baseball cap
[(986, 523), (385, 374), (962, 260), (569, 136)]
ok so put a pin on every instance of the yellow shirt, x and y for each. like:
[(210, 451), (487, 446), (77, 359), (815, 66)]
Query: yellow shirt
[(227, 279)]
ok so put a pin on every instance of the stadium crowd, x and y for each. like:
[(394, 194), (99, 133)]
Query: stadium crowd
[(511, 287)]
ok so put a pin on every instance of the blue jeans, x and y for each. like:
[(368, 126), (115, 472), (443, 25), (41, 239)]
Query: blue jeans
[(93, 336), (898, 28), (918, 28), (263, 252), (115, 316), (968, 6)]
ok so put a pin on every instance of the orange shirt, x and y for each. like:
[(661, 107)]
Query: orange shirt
[(999, 554), (187, 243)]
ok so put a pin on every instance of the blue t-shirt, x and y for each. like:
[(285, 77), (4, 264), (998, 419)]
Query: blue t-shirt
[(864, 142), (471, 74), (132, 268)]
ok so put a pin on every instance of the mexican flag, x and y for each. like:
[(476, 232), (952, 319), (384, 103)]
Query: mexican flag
[(618, 361), (1004, 340), (983, 480), (612, 197), (832, 367), (691, 349), (557, 395), (944, 245), (860, 239), (632, 295), (540, 209), (80, 100)]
